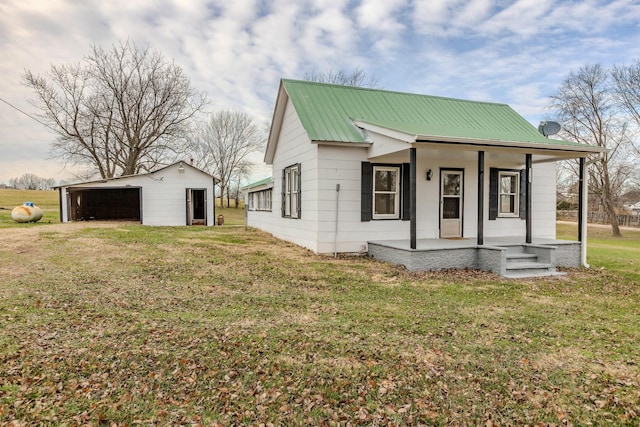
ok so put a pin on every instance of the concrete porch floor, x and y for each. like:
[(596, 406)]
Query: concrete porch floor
[(439, 244)]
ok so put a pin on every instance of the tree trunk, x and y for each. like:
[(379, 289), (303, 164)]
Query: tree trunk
[(607, 201), (222, 188)]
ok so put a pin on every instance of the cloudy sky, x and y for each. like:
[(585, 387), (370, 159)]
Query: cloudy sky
[(516, 52)]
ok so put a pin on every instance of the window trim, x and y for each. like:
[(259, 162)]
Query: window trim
[(515, 194), (261, 200), (396, 192), (291, 192)]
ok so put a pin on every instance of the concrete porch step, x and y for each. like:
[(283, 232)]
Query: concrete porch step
[(517, 257), (530, 269)]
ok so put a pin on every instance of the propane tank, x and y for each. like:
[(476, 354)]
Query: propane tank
[(28, 212)]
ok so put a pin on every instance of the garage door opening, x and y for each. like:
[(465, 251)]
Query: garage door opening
[(105, 204)]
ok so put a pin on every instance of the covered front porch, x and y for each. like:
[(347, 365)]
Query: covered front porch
[(514, 239), (507, 256)]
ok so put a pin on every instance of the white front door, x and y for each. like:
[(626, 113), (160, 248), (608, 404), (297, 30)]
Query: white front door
[(451, 183)]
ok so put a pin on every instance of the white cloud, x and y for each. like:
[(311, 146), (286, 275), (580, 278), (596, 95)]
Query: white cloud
[(236, 51), (449, 17), (524, 18), (380, 16)]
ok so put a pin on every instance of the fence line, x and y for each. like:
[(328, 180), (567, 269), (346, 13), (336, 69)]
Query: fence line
[(600, 218)]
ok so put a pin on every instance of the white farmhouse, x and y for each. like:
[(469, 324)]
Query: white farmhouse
[(423, 181)]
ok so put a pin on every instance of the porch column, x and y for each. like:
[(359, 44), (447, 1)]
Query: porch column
[(412, 190), (528, 196), (581, 210), (480, 197)]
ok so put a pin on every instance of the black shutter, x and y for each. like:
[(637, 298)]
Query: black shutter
[(406, 191), (493, 193), (189, 206), (366, 192), (523, 194), (284, 175), (299, 191)]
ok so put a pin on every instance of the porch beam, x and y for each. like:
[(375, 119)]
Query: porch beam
[(413, 191), (581, 210), (528, 177), (480, 198)]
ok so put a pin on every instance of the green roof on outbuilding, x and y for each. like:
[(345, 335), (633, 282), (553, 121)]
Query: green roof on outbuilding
[(328, 112), (264, 181)]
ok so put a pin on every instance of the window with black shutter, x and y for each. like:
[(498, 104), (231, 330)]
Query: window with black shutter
[(385, 191), (291, 185), (507, 193)]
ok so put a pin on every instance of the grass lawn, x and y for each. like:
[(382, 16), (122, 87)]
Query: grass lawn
[(121, 324)]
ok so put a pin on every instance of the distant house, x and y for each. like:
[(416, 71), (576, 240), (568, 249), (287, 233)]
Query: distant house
[(179, 194), (635, 209), (423, 181)]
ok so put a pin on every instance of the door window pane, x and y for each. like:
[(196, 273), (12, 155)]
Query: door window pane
[(451, 185), (450, 207)]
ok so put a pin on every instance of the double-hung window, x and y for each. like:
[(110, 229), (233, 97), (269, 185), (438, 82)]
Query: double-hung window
[(508, 193), (386, 192), (291, 191), (260, 200)]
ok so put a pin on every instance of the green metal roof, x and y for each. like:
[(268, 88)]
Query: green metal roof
[(258, 183), (327, 112)]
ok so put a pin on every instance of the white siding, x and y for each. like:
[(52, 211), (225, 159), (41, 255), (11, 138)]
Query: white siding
[(293, 147), (543, 200), (342, 166)]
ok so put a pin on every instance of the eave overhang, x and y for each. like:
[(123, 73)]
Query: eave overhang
[(570, 150), (276, 124)]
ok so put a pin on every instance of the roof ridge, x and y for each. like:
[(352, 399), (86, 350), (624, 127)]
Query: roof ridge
[(396, 92)]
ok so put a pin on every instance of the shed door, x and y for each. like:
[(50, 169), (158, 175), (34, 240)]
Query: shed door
[(196, 206), (451, 203)]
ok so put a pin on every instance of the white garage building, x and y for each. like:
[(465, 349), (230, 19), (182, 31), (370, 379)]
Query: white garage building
[(178, 194)]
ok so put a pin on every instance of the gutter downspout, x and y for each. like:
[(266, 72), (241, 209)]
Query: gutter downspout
[(335, 238), (585, 203)]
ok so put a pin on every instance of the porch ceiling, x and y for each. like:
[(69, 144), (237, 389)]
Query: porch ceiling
[(451, 152)]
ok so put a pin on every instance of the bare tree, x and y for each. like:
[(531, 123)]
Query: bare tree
[(223, 145), (627, 83), (29, 181), (586, 106), (243, 171), (356, 77), (121, 111)]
